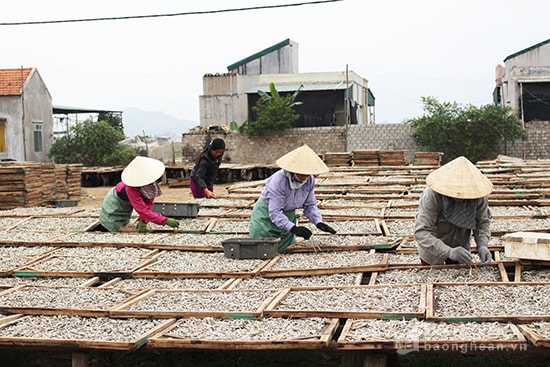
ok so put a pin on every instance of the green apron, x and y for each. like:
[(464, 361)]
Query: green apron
[(261, 225), (115, 213)]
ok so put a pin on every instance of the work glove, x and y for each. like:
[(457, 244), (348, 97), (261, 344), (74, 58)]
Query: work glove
[(301, 232), (326, 228), (141, 227), (172, 222), (460, 254), (484, 254)]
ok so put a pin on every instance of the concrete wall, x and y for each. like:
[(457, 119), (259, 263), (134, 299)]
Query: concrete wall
[(266, 149)]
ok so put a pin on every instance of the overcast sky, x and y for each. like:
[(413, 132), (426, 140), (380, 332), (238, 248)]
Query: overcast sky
[(405, 49)]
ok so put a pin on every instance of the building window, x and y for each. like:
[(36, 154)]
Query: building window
[(37, 136), (2, 135)]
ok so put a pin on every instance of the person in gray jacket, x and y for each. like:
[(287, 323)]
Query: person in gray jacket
[(453, 207)]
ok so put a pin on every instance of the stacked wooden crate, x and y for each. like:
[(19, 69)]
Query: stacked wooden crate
[(365, 158), (335, 159), (427, 158), (20, 185), (393, 157), (73, 180)]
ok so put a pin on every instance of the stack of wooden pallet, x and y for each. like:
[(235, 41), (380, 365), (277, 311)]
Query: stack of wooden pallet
[(334, 159), (393, 157), (73, 179), (365, 158), (427, 158), (20, 185)]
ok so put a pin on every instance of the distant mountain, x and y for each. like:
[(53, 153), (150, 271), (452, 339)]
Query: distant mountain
[(154, 123)]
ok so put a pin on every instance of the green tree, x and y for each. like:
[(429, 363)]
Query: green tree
[(474, 132), (92, 144), (274, 112), (112, 118)]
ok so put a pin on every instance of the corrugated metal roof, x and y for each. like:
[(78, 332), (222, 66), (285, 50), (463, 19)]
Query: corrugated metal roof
[(294, 87), (66, 110), (527, 49), (259, 54), (12, 80)]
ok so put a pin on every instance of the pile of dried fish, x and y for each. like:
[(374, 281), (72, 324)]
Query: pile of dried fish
[(414, 329), (198, 301), (354, 299), (58, 225), (107, 237), (269, 329), (447, 275), (335, 259), (191, 239), (329, 280), (138, 284), (542, 328), (79, 328), (539, 275), (200, 262), (63, 297), (491, 300)]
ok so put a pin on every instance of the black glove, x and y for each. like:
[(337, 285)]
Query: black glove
[(326, 228), (460, 254), (301, 232)]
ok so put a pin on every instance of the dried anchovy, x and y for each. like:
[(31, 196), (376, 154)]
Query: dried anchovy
[(343, 240), (186, 224), (10, 263), (328, 280), (58, 225), (403, 227), (484, 300), (515, 225), (403, 259), (102, 253), (197, 301), (349, 226), (360, 299), (115, 237), (505, 211), (345, 203), (335, 259), (414, 329), (14, 251), (38, 211), (431, 275), (270, 329), (224, 202), (26, 236), (539, 275), (352, 212), (63, 297), (191, 239), (201, 262), (401, 212), (43, 281), (88, 264), (137, 284), (79, 328), (231, 226), (9, 222), (542, 328)]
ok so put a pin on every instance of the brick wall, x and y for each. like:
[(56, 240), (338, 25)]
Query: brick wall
[(266, 149)]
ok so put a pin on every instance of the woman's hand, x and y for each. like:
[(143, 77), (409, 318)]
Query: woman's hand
[(209, 194)]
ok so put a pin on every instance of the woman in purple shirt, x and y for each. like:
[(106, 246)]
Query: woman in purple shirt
[(290, 188)]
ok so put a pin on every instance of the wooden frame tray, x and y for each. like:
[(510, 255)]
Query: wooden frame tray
[(246, 334)]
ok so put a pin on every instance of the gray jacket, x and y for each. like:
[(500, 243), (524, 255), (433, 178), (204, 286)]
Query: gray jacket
[(435, 236)]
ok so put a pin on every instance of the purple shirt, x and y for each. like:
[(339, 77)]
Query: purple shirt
[(280, 197)]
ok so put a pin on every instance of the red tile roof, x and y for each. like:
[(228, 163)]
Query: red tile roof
[(11, 81)]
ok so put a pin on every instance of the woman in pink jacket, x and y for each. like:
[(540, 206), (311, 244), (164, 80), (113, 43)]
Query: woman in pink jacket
[(137, 191)]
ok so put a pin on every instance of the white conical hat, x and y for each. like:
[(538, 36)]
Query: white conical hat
[(460, 179), (302, 160), (142, 171)]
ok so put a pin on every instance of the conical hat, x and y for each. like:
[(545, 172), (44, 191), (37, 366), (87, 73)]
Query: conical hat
[(142, 171), (460, 179), (302, 160)]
